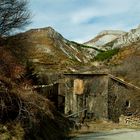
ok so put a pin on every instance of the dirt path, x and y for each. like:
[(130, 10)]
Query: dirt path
[(116, 134)]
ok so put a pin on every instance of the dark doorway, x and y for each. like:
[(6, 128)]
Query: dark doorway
[(127, 103), (53, 95), (61, 103)]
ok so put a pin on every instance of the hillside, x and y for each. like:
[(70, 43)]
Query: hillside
[(126, 63), (123, 60), (49, 50), (121, 55)]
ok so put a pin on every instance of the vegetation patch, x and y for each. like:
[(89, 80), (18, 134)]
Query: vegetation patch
[(106, 55)]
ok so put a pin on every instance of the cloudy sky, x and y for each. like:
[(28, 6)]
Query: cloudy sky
[(81, 20)]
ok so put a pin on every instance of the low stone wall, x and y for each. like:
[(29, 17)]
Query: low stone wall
[(129, 120)]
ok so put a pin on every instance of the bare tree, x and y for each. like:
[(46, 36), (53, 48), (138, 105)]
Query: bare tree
[(14, 14)]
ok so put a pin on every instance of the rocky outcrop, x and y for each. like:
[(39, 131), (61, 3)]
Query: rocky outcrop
[(104, 38), (128, 38)]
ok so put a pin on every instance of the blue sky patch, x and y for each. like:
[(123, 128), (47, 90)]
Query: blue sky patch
[(81, 20)]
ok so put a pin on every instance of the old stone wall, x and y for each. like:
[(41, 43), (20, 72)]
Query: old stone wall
[(89, 92), (118, 100), (97, 99), (102, 96)]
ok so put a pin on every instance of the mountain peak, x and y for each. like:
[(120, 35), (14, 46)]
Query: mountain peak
[(113, 32), (49, 29), (46, 31)]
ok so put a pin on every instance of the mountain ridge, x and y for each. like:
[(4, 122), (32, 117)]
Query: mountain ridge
[(109, 39), (49, 50), (103, 38)]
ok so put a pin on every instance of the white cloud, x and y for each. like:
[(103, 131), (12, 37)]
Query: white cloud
[(83, 15), (103, 8), (69, 17)]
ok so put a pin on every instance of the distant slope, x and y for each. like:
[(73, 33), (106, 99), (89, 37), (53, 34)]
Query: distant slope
[(115, 44), (109, 39), (128, 38), (121, 55), (104, 38)]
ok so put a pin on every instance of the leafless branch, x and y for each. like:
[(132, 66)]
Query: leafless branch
[(14, 14)]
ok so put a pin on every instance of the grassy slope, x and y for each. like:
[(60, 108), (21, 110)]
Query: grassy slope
[(126, 63), (46, 51)]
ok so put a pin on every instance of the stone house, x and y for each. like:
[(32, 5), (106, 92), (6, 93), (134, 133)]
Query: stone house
[(99, 95), (93, 96)]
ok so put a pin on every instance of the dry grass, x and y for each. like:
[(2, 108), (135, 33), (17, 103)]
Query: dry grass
[(11, 131), (36, 114)]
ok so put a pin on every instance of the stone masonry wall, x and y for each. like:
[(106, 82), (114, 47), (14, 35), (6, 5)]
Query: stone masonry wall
[(89, 92), (118, 95)]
